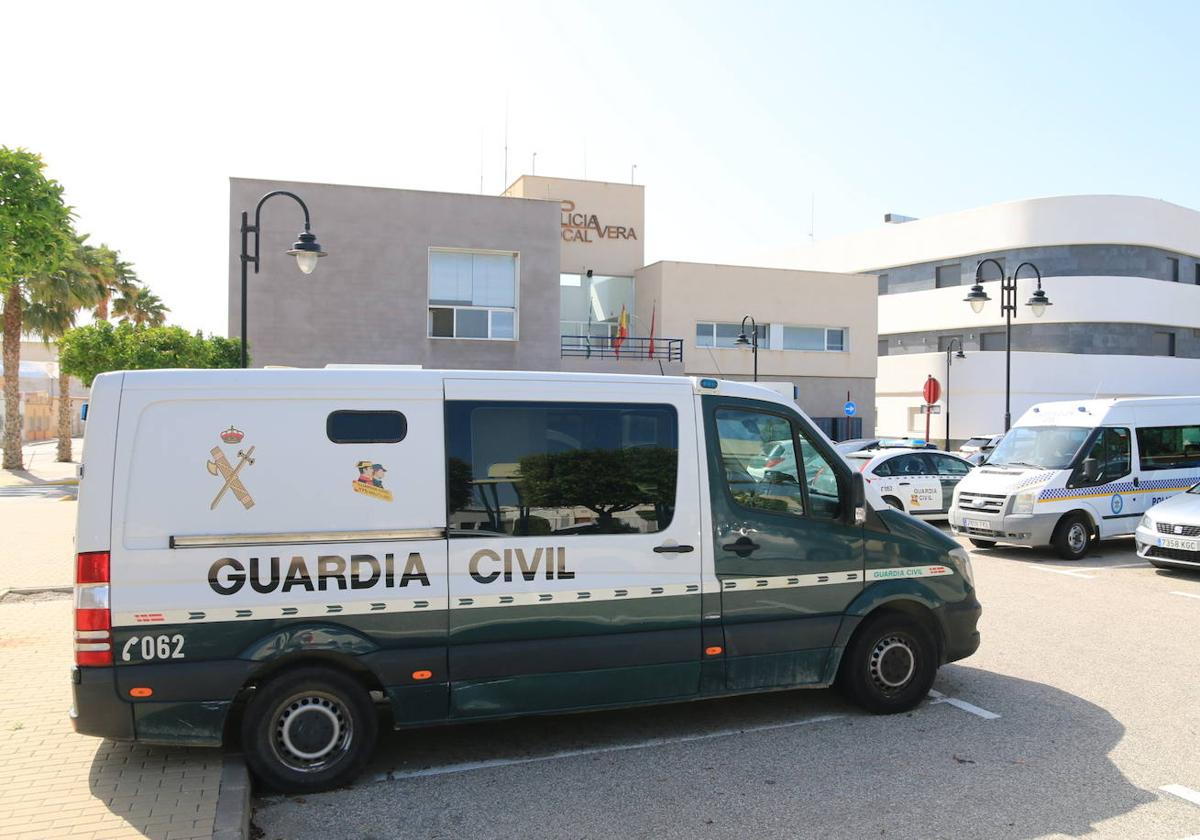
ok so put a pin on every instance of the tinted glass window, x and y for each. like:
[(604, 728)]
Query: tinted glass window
[(948, 275), (530, 469), (1169, 447), (366, 427), (743, 435), (821, 478), (1110, 450), (914, 464), (991, 341), (883, 468), (950, 466)]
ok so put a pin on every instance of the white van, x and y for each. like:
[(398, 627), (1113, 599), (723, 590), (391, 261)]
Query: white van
[(266, 555), (1069, 473)]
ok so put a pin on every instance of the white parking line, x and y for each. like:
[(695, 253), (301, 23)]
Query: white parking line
[(1182, 792), (468, 766), (1067, 572), (1127, 566), (1186, 594), (938, 697)]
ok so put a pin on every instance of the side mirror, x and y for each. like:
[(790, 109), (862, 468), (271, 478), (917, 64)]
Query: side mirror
[(1091, 469), (858, 498)]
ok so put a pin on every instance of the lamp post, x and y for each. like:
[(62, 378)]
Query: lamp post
[(959, 355), (305, 250), (977, 297), (752, 343)]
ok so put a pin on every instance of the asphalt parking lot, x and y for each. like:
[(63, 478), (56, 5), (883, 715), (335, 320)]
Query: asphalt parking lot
[(1078, 717)]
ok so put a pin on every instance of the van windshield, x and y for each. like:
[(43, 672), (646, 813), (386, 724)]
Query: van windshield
[(1040, 447)]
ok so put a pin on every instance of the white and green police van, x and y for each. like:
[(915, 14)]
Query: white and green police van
[(284, 558), (1070, 473)]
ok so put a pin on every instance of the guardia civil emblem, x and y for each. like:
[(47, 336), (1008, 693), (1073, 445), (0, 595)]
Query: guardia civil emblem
[(219, 465)]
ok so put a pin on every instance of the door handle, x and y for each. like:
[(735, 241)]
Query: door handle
[(1135, 481), (673, 549), (905, 483), (742, 547)]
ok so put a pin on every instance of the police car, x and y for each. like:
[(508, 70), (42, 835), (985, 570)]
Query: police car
[(265, 555), (920, 482)]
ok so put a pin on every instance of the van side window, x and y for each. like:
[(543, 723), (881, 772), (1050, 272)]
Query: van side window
[(1111, 452), (534, 468), (759, 460), (1169, 447), (366, 427), (823, 495)]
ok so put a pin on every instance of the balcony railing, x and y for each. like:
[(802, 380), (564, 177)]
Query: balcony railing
[(633, 347)]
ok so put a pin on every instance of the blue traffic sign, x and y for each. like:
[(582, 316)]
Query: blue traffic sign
[(849, 408)]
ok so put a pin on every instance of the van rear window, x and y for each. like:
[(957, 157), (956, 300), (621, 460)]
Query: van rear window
[(366, 427)]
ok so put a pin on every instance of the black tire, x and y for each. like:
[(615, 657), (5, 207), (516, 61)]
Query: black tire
[(982, 543), (334, 714), (1073, 537), (889, 665), (894, 502)]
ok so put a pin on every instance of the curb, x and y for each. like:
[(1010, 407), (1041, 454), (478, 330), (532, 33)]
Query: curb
[(232, 821), (37, 590)]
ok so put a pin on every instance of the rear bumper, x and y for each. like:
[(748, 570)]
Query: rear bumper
[(96, 709), (960, 628)]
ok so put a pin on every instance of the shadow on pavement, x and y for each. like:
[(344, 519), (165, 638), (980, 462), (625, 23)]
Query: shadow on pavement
[(1042, 768)]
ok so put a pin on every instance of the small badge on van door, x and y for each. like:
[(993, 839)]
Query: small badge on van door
[(219, 465), (370, 481)]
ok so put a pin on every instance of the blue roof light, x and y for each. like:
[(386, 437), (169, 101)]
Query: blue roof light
[(708, 383)]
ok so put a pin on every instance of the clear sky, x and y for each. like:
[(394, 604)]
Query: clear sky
[(736, 114)]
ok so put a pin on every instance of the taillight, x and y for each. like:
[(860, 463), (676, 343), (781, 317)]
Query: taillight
[(774, 462), (93, 618)]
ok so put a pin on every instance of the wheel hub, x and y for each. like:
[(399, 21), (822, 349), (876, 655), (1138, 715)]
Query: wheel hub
[(311, 730), (893, 663), (1077, 537)]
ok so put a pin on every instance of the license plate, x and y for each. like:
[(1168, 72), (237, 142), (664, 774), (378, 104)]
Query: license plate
[(978, 523), (1180, 543)]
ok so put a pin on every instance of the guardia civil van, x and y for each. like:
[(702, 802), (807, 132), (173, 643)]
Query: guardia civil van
[(277, 556), (1071, 473)]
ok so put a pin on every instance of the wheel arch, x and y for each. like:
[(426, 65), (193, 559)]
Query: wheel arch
[(912, 603)]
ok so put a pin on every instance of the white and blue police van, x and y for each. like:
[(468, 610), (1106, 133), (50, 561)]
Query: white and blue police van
[(272, 558), (1071, 473)]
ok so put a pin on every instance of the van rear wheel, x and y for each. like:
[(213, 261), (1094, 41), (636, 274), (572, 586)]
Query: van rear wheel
[(308, 730), (1073, 537), (889, 665)]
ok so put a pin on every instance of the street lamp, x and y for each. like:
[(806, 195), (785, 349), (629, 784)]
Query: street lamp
[(977, 297), (752, 343), (959, 355), (305, 250)]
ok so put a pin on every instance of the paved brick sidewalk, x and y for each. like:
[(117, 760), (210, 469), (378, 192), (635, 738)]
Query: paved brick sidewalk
[(56, 784), (40, 465), (37, 543)]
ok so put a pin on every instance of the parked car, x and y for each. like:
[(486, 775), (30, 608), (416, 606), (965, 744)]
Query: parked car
[(916, 481), (778, 456), (1169, 533), (977, 448)]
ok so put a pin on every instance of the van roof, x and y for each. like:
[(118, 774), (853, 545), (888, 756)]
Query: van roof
[(352, 377), (1097, 412)]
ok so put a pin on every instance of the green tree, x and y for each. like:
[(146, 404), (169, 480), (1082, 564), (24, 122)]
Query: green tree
[(35, 239), (139, 305), (88, 351), (54, 301)]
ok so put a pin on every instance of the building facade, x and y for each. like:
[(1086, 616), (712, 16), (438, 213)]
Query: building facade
[(1122, 274), (549, 276)]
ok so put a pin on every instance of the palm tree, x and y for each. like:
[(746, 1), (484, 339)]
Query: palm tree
[(111, 274), (141, 306), (54, 300)]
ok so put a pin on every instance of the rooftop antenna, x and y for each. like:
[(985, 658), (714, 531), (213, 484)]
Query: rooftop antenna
[(505, 142), (812, 220), (632, 170), (585, 158), (533, 166), (481, 161)]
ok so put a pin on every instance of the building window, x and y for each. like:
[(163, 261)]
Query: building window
[(883, 283), (1173, 269), (831, 339), (945, 342), (1163, 344), (991, 341), (592, 305), (1198, 274), (472, 294), (564, 469), (1169, 447), (948, 275), (710, 334), (883, 347)]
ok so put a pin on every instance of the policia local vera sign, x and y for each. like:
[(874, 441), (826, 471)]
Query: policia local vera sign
[(586, 227)]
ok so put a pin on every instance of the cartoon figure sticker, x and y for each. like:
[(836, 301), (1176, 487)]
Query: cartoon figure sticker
[(219, 465), (370, 481)]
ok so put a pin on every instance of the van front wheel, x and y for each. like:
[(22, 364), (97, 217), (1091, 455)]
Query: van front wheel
[(308, 730), (1073, 537), (890, 664)]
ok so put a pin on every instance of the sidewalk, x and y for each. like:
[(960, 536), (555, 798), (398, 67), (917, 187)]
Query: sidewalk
[(41, 466), (54, 783)]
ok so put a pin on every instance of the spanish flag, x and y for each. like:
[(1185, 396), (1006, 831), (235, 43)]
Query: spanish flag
[(622, 331)]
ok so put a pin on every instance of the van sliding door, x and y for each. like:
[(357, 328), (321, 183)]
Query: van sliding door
[(574, 533)]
